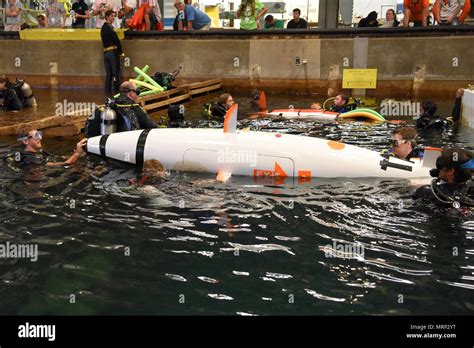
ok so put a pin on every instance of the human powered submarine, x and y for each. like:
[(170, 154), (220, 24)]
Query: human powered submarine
[(254, 154)]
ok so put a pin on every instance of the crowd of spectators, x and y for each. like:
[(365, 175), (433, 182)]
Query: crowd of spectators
[(417, 13), (146, 15)]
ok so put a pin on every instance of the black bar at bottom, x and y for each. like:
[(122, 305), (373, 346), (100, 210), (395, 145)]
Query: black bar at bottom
[(422, 330)]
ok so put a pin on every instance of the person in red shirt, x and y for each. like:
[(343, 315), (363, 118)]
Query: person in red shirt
[(417, 12)]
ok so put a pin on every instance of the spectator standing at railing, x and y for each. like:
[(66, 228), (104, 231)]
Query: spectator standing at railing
[(100, 7), (390, 19), (449, 11), (56, 15), (297, 22), (416, 12), (12, 15), (81, 13), (250, 12)]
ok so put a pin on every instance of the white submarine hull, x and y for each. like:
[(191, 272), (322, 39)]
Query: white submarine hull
[(249, 153)]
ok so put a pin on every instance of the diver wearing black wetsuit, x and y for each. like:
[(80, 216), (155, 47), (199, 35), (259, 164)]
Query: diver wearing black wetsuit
[(16, 96), (130, 116), (429, 122), (454, 185)]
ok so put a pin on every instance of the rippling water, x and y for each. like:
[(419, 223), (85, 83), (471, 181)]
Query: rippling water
[(193, 246)]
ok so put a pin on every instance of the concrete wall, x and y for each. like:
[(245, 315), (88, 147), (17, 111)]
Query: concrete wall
[(408, 66)]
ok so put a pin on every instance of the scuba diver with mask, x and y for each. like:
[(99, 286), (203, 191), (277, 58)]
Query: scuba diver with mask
[(32, 152), (16, 96), (453, 185), (430, 122), (404, 144)]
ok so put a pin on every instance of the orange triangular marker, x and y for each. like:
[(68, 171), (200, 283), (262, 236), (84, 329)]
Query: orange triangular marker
[(230, 119), (262, 103), (279, 171)]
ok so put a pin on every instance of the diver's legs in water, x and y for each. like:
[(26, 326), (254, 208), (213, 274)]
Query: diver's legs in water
[(112, 69)]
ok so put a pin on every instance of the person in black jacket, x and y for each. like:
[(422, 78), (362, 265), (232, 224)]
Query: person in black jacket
[(297, 22), (112, 54), (130, 115), (369, 21)]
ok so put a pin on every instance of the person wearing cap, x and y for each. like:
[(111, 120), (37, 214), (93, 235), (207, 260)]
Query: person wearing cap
[(112, 54), (33, 153), (404, 145), (453, 185)]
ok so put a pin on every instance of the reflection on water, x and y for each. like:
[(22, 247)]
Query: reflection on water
[(193, 246)]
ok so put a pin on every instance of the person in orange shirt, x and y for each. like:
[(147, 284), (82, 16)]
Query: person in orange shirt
[(417, 12)]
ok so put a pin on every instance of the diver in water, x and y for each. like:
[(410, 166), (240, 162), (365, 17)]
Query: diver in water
[(32, 152), (16, 96), (404, 144), (218, 109), (340, 104), (430, 122), (453, 185), (176, 116), (130, 115)]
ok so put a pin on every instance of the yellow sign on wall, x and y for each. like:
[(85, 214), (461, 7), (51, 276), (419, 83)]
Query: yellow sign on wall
[(359, 78)]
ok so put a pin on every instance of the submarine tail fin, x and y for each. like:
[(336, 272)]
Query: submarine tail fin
[(230, 119), (262, 102)]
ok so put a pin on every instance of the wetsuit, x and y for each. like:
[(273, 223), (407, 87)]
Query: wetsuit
[(14, 98), (130, 116), (343, 109), (448, 194), (34, 158), (427, 123), (218, 111), (112, 52)]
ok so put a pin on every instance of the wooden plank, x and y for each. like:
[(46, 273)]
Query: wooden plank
[(162, 95), (197, 85), (205, 89), (166, 102)]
